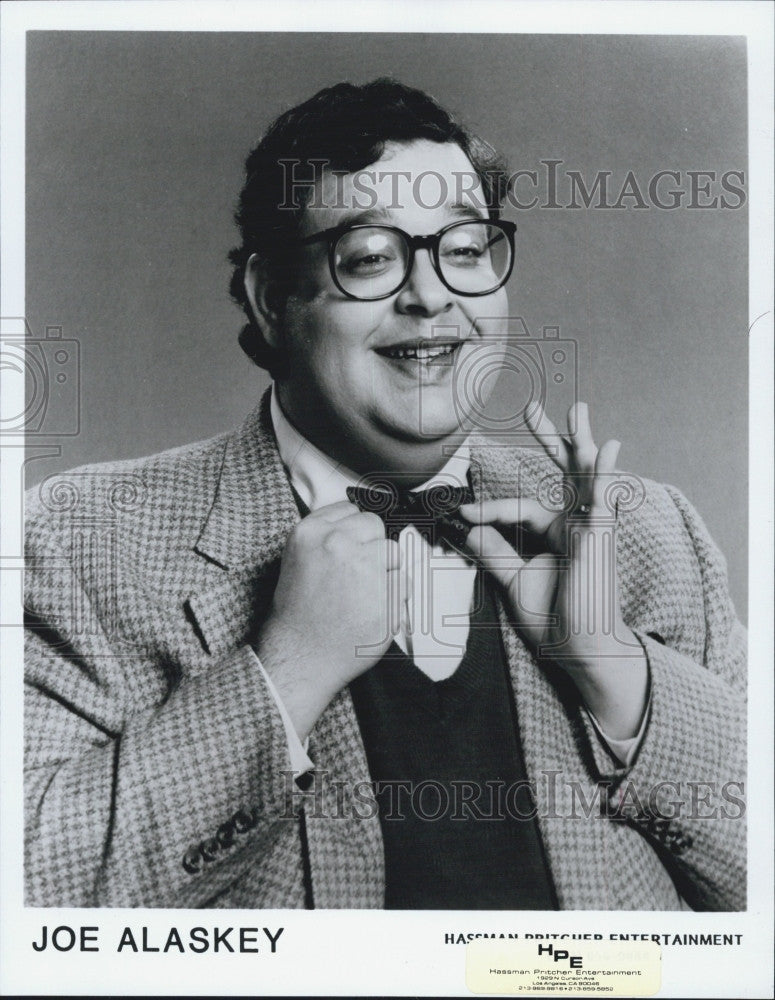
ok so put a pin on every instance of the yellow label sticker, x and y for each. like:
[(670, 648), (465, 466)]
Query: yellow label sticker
[(564, 968)]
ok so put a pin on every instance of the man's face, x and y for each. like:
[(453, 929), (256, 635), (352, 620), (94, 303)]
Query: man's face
[(357, 384)]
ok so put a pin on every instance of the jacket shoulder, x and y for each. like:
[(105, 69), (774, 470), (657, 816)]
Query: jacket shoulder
[(521, 470), (175, 484), (508, 469)]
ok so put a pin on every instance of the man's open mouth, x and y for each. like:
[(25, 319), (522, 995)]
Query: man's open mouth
[(425, 351)]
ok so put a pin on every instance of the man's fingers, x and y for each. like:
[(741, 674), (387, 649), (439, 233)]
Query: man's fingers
[(530, 514), (494, 553), (546, 434), (605, 467), (363, 527), (584, 451), (333, 512)]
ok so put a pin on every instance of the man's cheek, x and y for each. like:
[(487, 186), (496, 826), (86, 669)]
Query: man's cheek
[(488, 317)]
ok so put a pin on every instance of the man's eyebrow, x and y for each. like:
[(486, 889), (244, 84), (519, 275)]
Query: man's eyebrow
[(467, 211), (381, 213)]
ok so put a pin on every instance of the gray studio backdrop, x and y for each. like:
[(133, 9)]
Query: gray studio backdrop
[(135, 148)]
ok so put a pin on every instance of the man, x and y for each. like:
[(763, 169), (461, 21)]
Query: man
[(243, 683)]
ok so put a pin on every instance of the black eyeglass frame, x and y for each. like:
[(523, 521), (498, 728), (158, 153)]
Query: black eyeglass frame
[(431, 243)]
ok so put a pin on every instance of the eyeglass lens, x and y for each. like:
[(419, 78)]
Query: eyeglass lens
[(373, 261)]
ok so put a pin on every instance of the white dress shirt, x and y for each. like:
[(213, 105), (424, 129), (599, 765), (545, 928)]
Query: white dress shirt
[(436, 583)]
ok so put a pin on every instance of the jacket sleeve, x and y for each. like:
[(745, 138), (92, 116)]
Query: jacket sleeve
[(138, 798), (685, 788)]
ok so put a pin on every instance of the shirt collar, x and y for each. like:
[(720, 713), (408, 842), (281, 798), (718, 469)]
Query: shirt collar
[(319, 480)]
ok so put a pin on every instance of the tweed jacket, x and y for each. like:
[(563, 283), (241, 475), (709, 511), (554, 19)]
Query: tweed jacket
[(157, 770)]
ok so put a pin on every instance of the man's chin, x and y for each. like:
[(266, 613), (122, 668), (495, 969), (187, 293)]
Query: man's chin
[(425, 430)]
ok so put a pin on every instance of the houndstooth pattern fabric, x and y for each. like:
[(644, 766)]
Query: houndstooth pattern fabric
[(150, 733)]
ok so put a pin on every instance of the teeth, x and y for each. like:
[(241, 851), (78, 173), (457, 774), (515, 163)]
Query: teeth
[(421, 353)]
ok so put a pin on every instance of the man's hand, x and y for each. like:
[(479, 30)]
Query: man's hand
[(335, 609), (565, 600)]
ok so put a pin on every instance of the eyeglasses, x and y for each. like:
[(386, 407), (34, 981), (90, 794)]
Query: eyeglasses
[(472, 257)]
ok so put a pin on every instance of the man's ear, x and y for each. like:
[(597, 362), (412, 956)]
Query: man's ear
[(265, 300)]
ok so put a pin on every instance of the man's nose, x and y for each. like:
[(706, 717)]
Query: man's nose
[(424, 293)]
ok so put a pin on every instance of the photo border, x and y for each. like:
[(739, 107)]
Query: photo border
[(352, 952)]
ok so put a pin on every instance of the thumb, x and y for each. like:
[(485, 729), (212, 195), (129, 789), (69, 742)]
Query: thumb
[(494, 553)]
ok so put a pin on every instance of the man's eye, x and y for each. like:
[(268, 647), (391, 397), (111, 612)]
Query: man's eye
[(467, 255), (370, 263)]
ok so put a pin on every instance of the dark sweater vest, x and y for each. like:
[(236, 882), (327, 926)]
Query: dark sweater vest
[(454, 805)]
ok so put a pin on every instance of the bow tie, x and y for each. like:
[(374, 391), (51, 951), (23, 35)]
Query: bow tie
[(434, 512)]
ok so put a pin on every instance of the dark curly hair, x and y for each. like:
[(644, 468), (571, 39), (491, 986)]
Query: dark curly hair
[(347, 127)]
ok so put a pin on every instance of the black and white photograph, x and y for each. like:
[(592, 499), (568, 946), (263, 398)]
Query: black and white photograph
[(380, 404)]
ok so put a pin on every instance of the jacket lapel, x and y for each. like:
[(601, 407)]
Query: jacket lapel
[(253, 508), (242, 540), (551, 733), (343, 830)]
